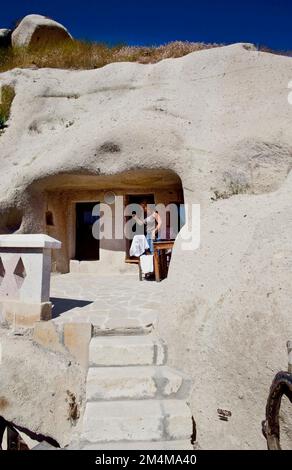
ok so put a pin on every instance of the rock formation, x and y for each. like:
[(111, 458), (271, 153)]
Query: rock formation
[(37, 30), (220, 119)]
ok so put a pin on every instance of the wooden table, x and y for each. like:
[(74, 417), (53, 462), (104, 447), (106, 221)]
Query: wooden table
[(160, 259)]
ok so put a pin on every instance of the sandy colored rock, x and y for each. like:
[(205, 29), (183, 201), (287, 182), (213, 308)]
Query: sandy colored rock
[(37, 30), (230, 326), (37, 386), (220, 119), (46, 335), (24, 314), (76, 339)]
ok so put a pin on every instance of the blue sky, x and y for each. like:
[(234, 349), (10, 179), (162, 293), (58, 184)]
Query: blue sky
[(158, 21)]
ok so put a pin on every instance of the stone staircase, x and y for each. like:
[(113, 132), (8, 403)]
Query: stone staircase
[(133, 400)]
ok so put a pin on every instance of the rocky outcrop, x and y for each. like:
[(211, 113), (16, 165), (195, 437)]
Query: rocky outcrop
[(37, 388), (38, 31), (221, 120)]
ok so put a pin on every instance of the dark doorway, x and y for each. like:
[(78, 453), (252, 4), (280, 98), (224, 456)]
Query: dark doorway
[(87, 247), (135, 199)]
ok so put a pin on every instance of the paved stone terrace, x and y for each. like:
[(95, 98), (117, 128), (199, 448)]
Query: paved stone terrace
[(108, 302)]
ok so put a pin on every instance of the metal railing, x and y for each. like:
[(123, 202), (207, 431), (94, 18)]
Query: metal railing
[(281, 385)]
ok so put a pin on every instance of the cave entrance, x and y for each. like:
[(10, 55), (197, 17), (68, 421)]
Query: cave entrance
[(68, 216)]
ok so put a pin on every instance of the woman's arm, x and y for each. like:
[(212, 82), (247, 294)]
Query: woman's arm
[(159, 223), (136, 218)]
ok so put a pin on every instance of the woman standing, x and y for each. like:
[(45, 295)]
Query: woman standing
[(152, 222)]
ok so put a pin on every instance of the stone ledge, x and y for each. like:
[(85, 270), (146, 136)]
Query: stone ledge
[(29, 241), (46, 335), (77, 337), (70, 337), (24, 314)]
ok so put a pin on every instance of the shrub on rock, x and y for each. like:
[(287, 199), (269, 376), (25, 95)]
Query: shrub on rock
[(6, 97)]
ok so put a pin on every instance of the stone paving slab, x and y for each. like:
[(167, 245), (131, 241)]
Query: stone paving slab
[(136, 420), (110, 303)]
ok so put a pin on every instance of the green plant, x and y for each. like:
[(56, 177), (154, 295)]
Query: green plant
[(6, 97)]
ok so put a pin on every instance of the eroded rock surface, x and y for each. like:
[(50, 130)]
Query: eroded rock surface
[(37, 30), (220, 119)]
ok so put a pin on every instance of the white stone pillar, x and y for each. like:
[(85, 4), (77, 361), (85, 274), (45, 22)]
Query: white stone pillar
[(25, 270)]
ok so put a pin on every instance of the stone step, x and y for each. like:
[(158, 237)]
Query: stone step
[(126, 350), (125, 322), (136, 420), (146, 445), (121, 328), (135, 382)]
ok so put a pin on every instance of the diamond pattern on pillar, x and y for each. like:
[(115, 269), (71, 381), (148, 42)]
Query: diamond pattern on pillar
[(2, 271), (19, 273)]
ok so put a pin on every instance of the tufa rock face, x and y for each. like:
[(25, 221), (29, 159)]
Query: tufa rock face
[(37, 30), (5, 37), (220, 119)]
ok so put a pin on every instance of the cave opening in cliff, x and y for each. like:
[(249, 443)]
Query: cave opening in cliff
[(76, 204)]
